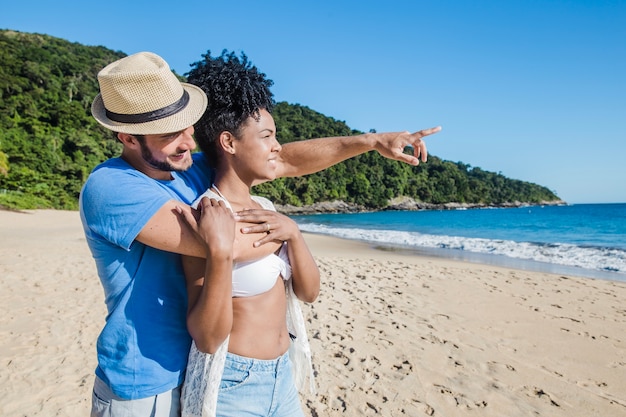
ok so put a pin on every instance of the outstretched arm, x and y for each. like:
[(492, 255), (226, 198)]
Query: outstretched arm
[(309, 156), (167, 232)]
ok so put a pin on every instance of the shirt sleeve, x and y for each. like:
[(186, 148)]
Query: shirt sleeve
[(117, 203)]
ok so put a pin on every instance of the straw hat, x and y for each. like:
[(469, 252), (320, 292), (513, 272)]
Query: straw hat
[(140, 95)]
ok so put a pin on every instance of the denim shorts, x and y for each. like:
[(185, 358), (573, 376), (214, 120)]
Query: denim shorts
[(105, 404), (254, 387)]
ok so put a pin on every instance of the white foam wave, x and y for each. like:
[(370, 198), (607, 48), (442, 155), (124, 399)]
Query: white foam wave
[(594, 258)]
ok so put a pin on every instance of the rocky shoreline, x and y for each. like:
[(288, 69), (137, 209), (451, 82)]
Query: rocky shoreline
[(401, 203)]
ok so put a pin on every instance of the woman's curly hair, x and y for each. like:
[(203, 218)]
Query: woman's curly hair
[(235, 89)]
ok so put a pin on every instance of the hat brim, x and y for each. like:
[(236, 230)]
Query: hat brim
[(180, 121)]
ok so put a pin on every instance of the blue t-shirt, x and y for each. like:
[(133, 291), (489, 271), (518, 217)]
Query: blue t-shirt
[(143, 347)]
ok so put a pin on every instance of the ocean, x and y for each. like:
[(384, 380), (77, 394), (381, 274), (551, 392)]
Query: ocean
[(587, 240)]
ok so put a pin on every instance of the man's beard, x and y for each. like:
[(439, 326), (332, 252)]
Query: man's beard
[(147, 156)]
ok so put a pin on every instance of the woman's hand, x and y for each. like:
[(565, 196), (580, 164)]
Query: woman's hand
[(273, 225)]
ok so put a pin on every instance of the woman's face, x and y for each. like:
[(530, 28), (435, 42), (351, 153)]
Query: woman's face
[(257, 148)]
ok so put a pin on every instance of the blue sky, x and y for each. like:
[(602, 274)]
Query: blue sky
[(534, 89)]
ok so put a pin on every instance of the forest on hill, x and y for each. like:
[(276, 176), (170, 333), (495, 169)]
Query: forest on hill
[(49, 143)]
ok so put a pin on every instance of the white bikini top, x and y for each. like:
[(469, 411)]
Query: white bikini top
[(255, 277)]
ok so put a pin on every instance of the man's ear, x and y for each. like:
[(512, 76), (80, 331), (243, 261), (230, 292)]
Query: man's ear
[(227, 142), (127, 140)]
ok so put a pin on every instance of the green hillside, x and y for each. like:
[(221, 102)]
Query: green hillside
[(49, 142)]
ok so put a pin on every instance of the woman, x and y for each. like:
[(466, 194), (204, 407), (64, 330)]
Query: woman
[(246, 323)]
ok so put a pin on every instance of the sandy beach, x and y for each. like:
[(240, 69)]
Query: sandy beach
[(392, 335)]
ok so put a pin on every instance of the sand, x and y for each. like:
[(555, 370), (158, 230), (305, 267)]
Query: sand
[(392, 335)]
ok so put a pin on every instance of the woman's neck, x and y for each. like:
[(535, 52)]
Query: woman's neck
[(234, 190)]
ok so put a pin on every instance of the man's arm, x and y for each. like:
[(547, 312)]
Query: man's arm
[(309, 156), (167, 232)]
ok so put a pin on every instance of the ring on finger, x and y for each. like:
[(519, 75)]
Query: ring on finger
[(268, 227)]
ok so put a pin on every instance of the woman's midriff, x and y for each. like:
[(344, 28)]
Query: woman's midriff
[(259, 326)]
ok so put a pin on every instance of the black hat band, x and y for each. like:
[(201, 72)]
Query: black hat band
[(151, 115)]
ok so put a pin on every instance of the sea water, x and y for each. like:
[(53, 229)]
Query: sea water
[(581, 239)]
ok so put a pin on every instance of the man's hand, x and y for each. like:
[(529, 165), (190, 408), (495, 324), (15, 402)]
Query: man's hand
[(213, 225), (392, 145)]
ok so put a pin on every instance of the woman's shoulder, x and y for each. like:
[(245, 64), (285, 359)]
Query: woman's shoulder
[(264, 202)]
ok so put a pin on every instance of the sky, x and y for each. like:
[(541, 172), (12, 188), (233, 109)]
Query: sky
[(532, 89)]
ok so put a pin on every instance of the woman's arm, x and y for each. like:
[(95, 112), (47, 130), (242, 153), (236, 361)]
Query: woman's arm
[(209, 281), (210, 309), (304, 270)]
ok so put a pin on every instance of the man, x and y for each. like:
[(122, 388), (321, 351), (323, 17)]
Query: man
[(128, 208)]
